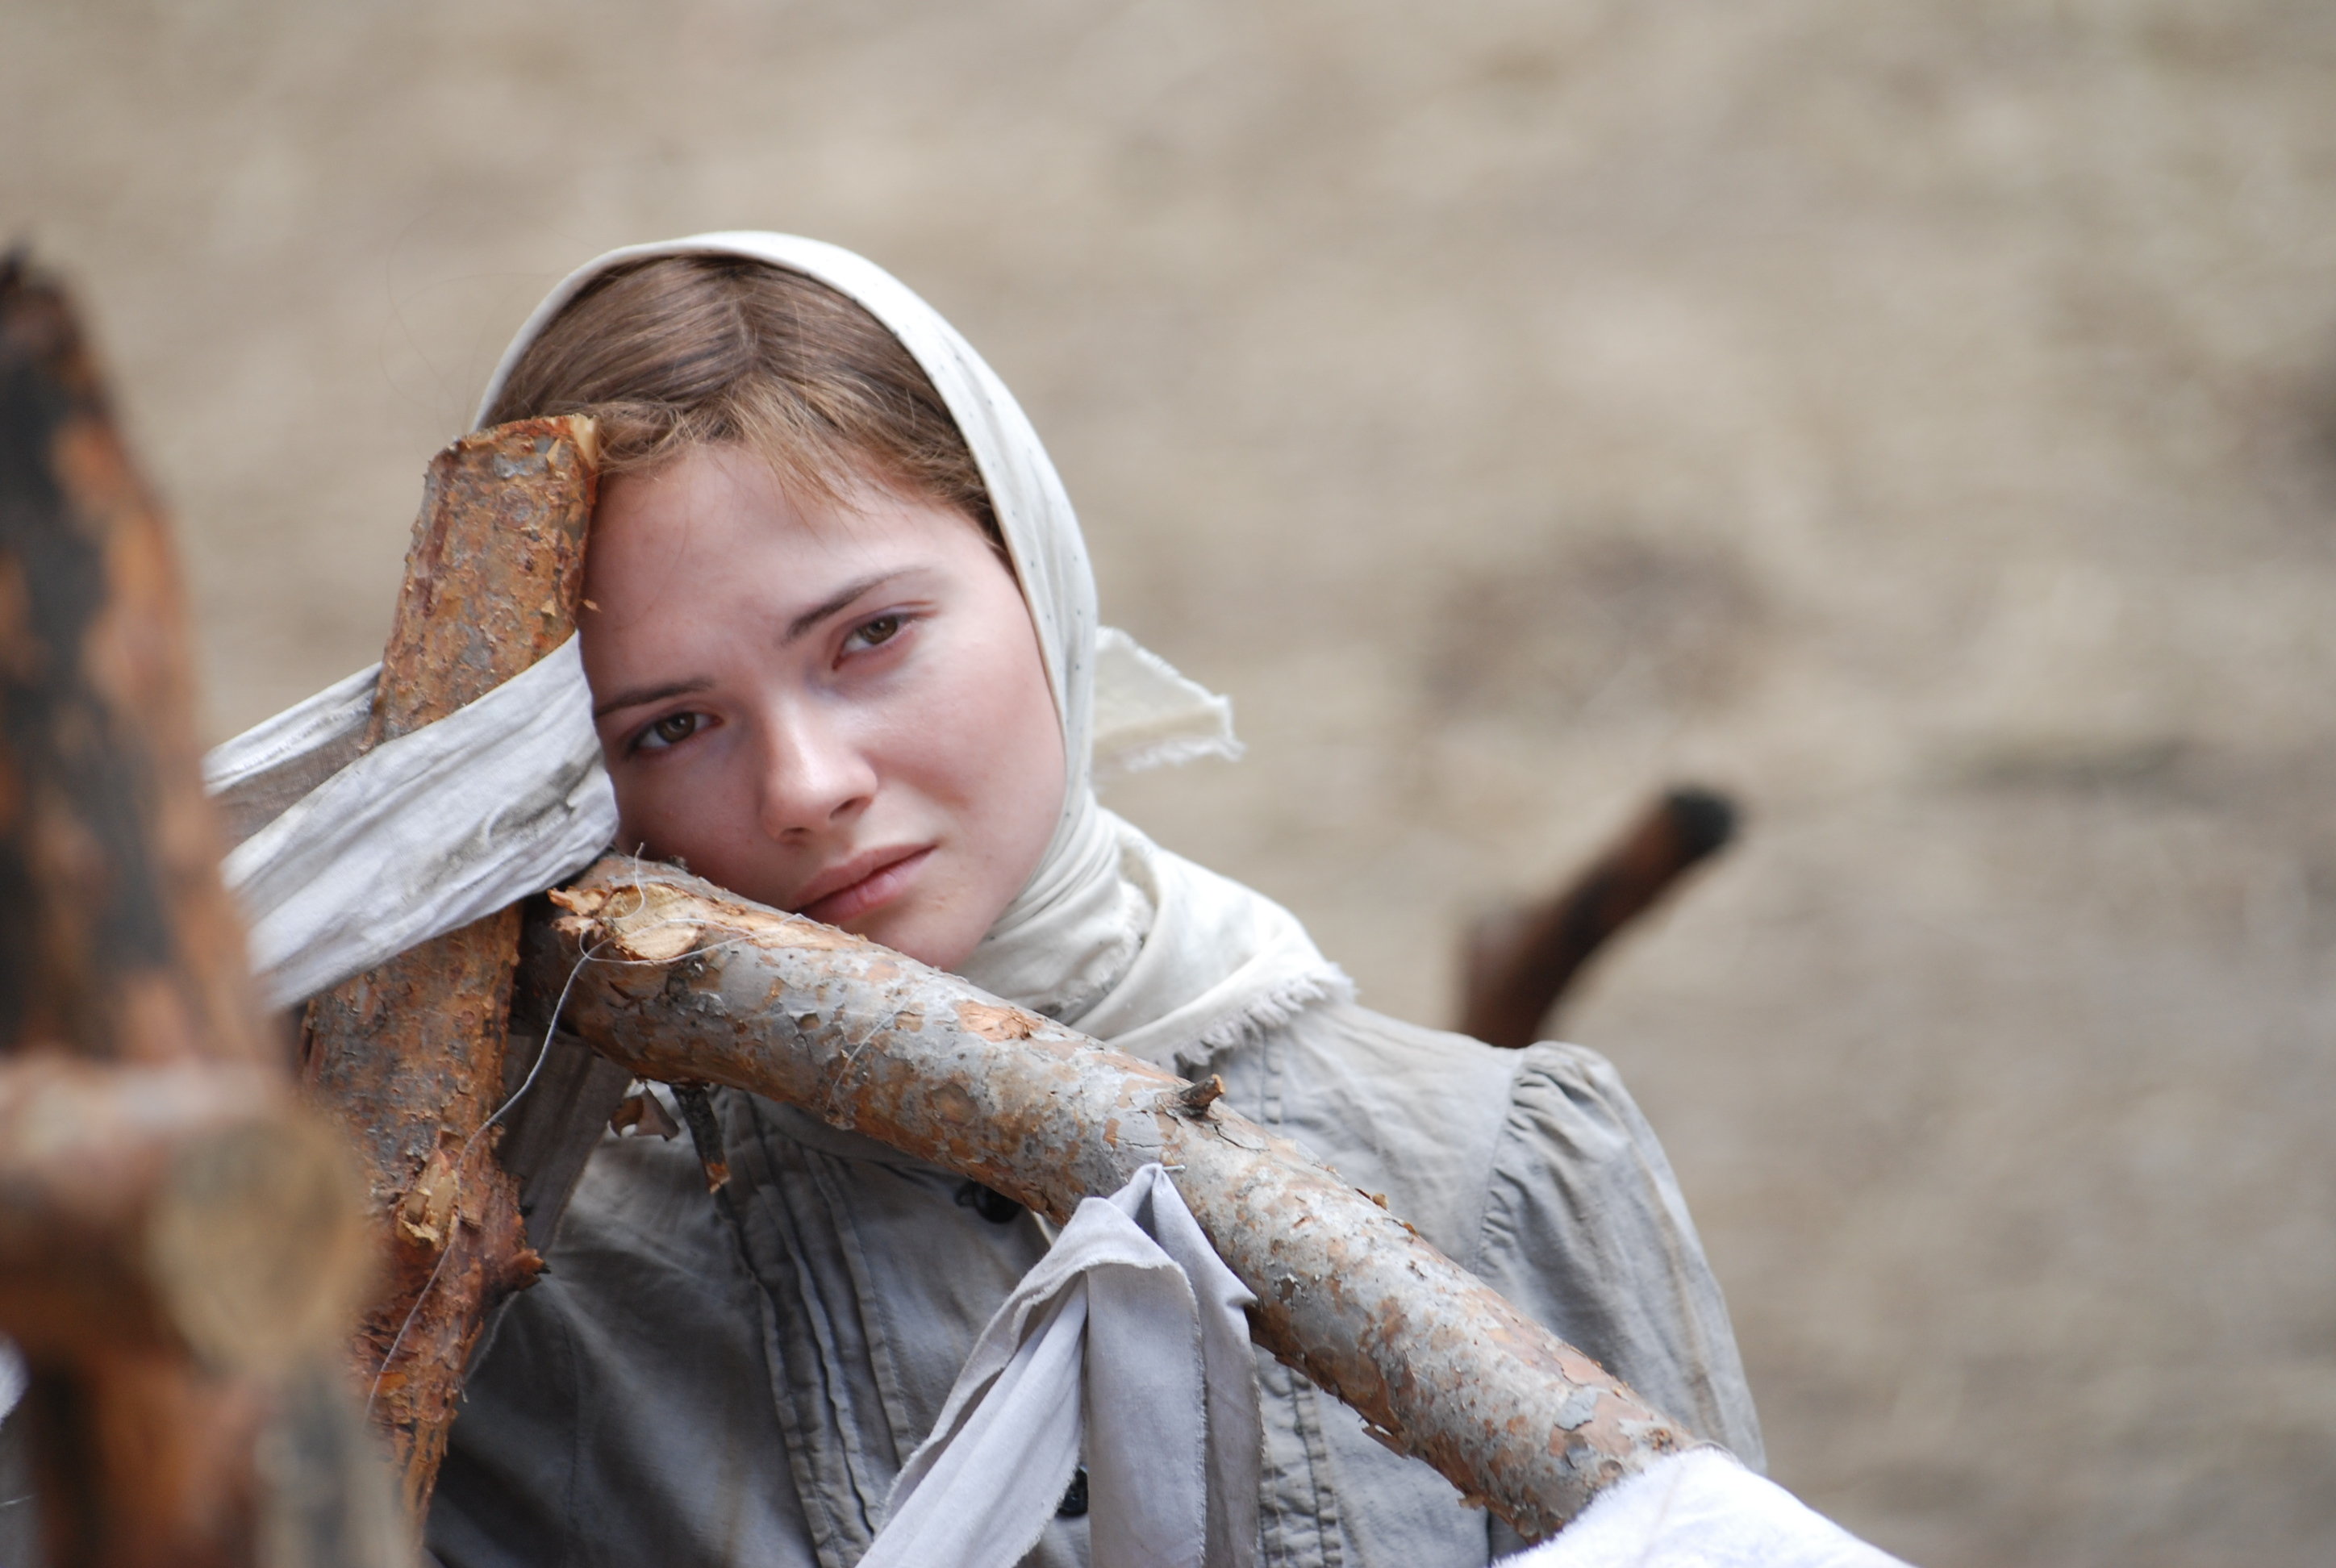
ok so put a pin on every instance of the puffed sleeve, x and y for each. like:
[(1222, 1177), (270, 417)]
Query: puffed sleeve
[(1584, 1228)]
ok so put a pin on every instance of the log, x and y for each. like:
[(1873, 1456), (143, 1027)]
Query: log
[(679, 981), (410, 1057), (145, 1119), (1518, 963), (109, 876), (185, 1209)]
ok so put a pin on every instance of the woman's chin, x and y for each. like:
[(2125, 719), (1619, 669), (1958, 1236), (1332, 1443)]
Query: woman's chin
[(932, 939)]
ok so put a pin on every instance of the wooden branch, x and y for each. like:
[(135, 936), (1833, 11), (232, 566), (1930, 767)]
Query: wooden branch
[(140, 1180), (1519, 963), (111, 887), (681, 982), (410, 1056)]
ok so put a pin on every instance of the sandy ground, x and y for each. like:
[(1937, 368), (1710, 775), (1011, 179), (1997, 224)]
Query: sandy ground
[(1920, 419)]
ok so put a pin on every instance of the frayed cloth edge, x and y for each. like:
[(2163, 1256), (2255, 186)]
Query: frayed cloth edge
[(1277, 1009), (1174, 751)]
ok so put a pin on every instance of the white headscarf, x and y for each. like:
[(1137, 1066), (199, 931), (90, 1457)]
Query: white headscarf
[(1111, 934)]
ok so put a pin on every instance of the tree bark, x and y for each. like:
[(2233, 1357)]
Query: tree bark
[(110, 894), (679, 981), (130, 1174), (410, 1056)]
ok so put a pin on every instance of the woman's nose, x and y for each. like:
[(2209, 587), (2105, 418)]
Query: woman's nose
[(814, 778)]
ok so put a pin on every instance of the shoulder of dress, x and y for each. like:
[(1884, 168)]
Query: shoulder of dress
[(1359, 1075), (1352, 1030), (1560, 1062), (1351, 1024)]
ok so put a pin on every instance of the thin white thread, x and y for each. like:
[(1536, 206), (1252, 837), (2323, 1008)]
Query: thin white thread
[(829, 1101), (543, 1053)]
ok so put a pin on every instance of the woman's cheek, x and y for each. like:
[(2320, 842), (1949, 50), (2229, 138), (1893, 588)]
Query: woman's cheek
[(659, 809), (640, 819), (1020, 766)]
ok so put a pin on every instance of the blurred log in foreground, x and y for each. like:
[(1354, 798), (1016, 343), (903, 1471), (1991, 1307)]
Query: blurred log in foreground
[(1518, 962), (187, 1209), (181, 1240), (689, 984), (410, 1056)]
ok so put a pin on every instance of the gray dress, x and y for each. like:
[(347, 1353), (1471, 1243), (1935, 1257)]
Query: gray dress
[(738, 1382)]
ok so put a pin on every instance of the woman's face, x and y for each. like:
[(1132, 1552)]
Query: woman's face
[(839, 710)]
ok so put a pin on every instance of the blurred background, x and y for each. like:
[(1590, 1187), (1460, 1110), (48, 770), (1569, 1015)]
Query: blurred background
[(1919, 420)]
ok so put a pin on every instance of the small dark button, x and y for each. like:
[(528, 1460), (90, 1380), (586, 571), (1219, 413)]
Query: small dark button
[(1074, 1496), (995, 1207)]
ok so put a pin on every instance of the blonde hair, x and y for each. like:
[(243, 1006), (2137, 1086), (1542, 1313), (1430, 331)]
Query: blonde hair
[(677, 352)]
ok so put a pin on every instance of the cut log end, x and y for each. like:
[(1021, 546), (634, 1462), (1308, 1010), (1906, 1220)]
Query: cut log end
[(191, 1210), (257, 1241)]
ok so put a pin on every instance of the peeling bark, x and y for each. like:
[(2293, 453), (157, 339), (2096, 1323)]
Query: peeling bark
[(175, 1226), (410, 1056), (679, 981)]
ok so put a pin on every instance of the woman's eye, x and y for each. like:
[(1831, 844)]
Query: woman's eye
[(868, 634), (670, 730)]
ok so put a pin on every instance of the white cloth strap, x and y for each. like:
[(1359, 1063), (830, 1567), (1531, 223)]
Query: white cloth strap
[(418, 836), (1701, 1509), (1130, 1331)]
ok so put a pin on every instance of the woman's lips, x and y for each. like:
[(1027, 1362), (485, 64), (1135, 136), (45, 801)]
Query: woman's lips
[(873, 881)]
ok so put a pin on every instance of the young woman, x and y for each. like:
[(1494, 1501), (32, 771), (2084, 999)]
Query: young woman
[(840, 637)]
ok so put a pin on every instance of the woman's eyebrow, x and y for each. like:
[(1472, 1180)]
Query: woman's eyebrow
[(828, 607), (797, 628), (648, 693)]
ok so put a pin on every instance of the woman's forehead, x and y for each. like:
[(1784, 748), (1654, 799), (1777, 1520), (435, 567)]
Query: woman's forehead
[(717, 532)]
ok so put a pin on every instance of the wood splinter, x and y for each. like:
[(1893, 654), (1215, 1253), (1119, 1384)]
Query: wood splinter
[(1195, 1099)]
